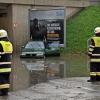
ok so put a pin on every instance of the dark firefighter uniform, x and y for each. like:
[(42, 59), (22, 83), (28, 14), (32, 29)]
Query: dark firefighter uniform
[(5, 65), (94, 53)]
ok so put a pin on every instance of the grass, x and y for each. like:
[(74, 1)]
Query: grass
[(81, 28)]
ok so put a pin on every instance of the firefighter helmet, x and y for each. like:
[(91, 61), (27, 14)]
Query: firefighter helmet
[(3, 33), (97, 30)]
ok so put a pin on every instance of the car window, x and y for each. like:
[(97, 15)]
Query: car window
[(54, 44), (35, 45)]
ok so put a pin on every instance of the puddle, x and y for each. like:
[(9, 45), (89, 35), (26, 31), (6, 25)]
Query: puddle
[(27, 72), (42, 70)]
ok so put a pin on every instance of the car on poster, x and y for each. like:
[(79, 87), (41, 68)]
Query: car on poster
[(33, 49)]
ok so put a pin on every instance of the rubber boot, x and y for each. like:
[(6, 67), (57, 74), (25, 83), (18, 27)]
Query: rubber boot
[(92, 79), (98, 77), (4, 92)]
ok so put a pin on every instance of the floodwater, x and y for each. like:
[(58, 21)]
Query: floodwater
[(29, 71), (59, 79)]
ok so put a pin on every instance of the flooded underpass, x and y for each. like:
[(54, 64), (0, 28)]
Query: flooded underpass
[(53, 78), (29, 71)]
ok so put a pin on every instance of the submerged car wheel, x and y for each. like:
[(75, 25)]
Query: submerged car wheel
[(58, 54)]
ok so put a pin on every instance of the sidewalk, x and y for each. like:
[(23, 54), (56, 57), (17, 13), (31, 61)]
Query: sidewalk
[(59, 89)]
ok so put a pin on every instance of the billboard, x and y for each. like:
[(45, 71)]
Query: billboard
[(51, 25)]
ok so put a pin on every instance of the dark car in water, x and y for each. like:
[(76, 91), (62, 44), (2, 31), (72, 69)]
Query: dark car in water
[(33, 49), (52, 49)]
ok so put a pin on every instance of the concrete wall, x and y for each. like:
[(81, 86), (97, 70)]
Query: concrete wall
[(6, 22), (20, 25), (17, 1), (66, 3), (70, 11), (10, 24), (75, 3), (3, 23)]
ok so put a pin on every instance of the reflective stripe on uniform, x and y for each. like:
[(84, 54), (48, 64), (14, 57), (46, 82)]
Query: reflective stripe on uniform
[(95, 60), (2, 53), (91, 49), (92, 73), (90, 53), (98, 73), (8, 52), (92, 46), (4, 86), (1, 63), (5, 70)]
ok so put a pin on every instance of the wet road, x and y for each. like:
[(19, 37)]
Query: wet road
[(54, 78), (59, 89), (27, 72)]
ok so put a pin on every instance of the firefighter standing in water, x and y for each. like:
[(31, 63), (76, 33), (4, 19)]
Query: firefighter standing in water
[(94, 54), (5, 62)]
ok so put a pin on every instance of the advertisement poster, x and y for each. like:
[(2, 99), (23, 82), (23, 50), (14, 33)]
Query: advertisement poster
[(49, 25)]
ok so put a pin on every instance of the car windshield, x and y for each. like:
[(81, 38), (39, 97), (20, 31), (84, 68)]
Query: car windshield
[(35, 45), (54, 44)]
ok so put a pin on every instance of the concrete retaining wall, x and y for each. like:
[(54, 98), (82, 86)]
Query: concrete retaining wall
[(75, 3), (20, 25)]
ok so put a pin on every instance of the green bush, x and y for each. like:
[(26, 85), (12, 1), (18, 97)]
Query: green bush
[(80, 28)]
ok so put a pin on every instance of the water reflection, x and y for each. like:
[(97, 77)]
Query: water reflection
[(26, 72), (42, 70)]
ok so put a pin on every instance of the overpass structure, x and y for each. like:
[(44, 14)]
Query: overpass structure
[(14, 15)]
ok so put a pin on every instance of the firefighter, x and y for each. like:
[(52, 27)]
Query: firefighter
[(94, 54), (5, 62)]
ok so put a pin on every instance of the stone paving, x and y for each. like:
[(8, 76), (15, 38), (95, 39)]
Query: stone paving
[(60, 89)]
